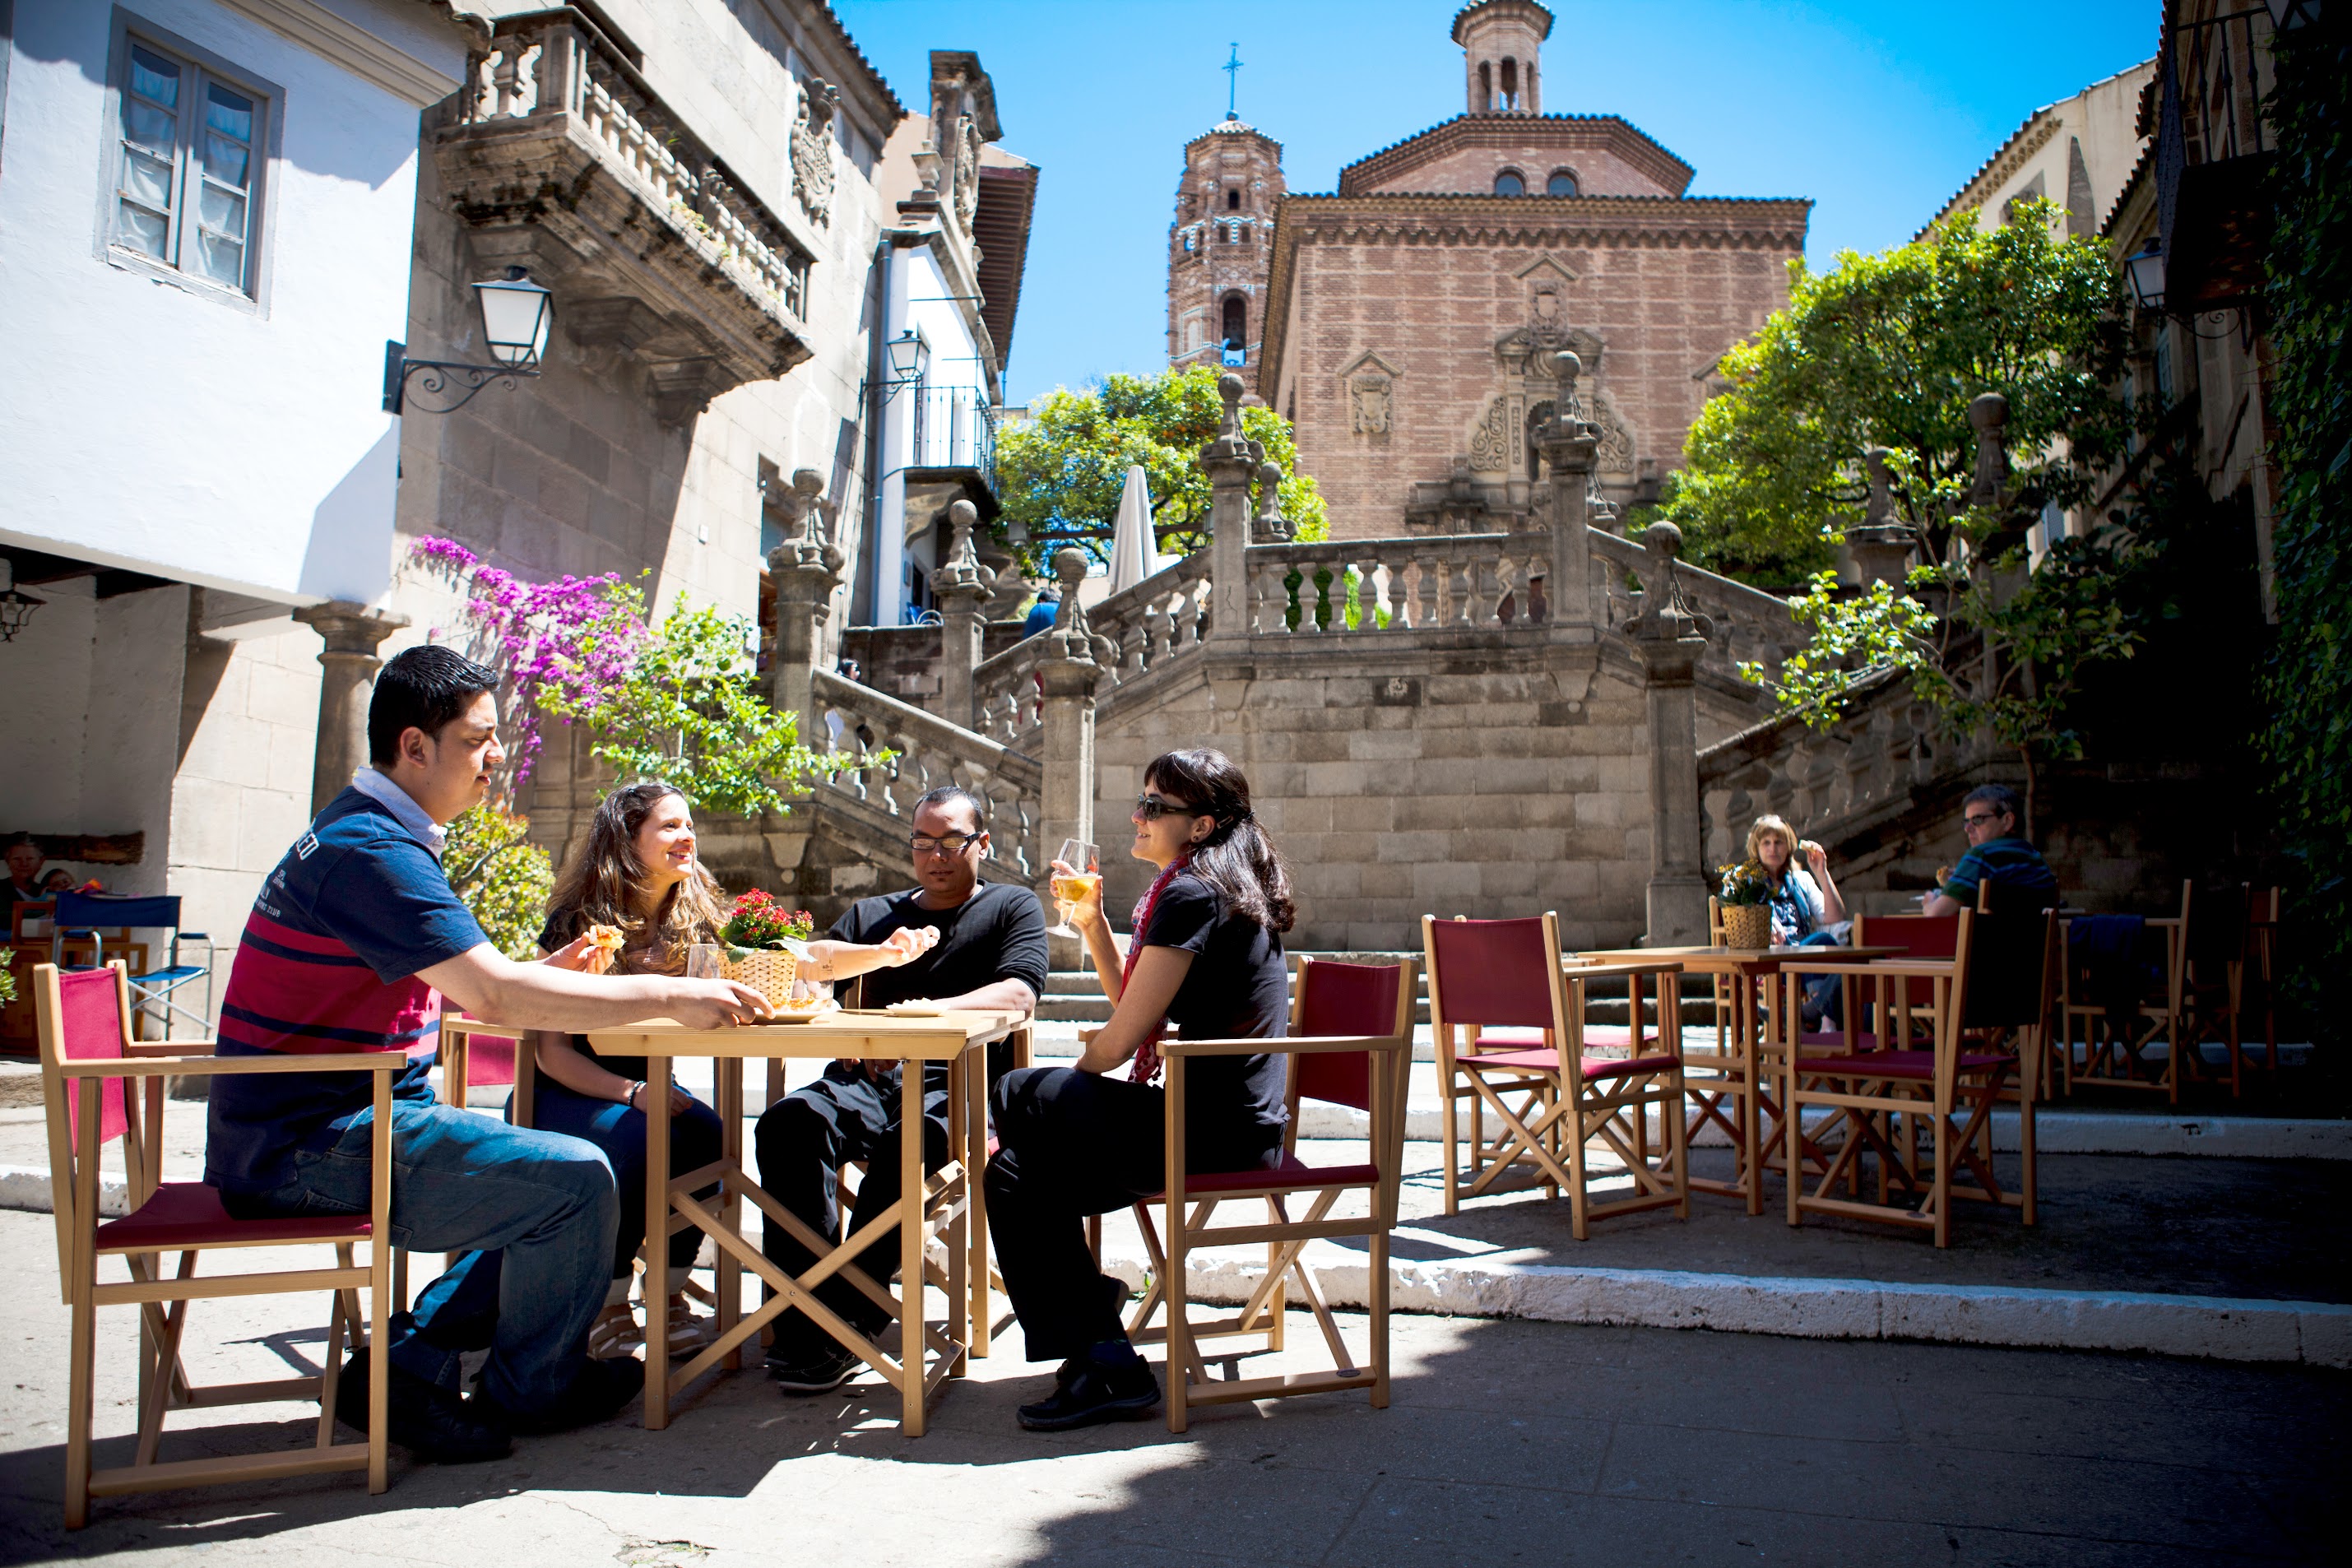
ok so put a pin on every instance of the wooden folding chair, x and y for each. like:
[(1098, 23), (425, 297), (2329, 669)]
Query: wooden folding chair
[(89, 1062), (1351, 1045), (1523, 1059), (2229, 980), (1880, 1098), (2112, 1056)]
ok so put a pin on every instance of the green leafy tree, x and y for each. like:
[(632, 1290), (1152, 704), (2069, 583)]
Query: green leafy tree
[(1888, 351), (500, 876), (1061, 470), (2309, 300), (688, 709)]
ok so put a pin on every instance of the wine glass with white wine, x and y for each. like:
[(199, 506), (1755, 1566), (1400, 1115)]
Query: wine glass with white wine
[(1077, 874)]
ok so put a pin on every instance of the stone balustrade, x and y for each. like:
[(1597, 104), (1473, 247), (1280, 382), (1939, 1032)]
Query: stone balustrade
[(1750, 626), (562, 158), (1135, 631), (930, 752), (1435, 583), (1822, 780)]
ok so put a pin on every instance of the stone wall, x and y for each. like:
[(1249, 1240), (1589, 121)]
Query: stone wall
[(904, 662), (1501, 781)]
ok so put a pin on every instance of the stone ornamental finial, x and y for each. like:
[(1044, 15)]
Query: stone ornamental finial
[(1565, 369), (1879, 513), (1989, 416), (961, 569), (806, 542), (1271, 527), (1070, 627), (1666, 616)]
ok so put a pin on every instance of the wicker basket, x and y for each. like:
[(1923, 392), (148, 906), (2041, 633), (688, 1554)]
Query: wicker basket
[(768, 971), (1747, 927)]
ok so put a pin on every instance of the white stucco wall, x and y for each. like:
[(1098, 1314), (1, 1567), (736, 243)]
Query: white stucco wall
[(146, 426)]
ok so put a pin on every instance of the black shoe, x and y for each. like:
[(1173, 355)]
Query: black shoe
[(1086, 1392), (433, 1422), (821, 1373), (599, 1391)]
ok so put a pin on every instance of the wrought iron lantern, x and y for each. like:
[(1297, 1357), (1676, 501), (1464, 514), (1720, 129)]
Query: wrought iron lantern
[(911, 358), (2146, 273), (16, 606), (516, 315)]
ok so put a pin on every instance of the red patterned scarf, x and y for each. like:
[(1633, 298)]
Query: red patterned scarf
[(1146, 1065)]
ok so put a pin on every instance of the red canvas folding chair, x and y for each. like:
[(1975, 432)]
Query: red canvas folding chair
[(89, 1063), (1350, 1044), (1521, 1058), (2112, 1047)]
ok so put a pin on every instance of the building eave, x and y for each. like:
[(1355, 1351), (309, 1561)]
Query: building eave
[(1648, 153)]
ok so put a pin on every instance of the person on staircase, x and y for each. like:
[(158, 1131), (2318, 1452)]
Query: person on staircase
[(637, 880), (952, 939), (1206, 960)]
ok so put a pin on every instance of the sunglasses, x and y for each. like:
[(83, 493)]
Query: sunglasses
[(1980, 819), (1152, 808), (953, 844)]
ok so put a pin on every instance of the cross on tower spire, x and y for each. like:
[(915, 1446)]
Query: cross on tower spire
[(1232, 67)]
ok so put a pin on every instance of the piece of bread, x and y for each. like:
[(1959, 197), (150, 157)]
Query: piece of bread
[(604, 939)]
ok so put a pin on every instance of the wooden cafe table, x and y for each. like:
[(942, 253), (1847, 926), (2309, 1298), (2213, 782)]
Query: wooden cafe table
[(947, 1203), (1732, 1070)]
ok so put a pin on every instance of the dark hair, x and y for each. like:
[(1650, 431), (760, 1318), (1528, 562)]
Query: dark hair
[(599, 883), (422, 688), (948, 793), (2001, 798), (16, 839), (1237, 860)]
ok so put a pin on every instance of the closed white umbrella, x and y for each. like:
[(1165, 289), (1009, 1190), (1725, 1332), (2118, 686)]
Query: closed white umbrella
[(1132, 556)]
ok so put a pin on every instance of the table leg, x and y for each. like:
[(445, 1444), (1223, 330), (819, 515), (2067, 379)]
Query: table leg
[(655, 1101), (1751, 1093), (728, 1281), (981, 1311), (912, 1358)]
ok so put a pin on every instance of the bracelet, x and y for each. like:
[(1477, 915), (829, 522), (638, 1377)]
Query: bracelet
[(630, 1099)]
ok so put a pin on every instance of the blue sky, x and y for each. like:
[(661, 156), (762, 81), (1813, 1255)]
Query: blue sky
[(1877, 110)]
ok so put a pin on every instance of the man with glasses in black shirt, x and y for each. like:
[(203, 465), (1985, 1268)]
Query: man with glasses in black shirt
[(952, 939)]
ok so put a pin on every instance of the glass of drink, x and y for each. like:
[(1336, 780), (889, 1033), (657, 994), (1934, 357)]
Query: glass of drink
[(706, 961), (1077, 876)]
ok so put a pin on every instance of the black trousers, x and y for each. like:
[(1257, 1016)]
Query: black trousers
[(803, 1141), (1071, 1144)]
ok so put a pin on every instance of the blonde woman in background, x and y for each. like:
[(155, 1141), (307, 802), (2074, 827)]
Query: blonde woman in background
[(1805, 902)]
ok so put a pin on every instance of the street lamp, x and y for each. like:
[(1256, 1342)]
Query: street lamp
[(2146, 273), (2286, 15), (909, 356), (516, 315), (16, 606)]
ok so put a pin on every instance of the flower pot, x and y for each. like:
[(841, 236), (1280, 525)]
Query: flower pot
[(768, 972), (1747, 927)]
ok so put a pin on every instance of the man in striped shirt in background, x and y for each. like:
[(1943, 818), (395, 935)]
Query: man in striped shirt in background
[(1997, 854), (353, 942)]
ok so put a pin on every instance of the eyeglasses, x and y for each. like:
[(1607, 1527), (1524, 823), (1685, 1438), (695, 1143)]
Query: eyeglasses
[(953, 844), (1979, 819), (1152, 808)]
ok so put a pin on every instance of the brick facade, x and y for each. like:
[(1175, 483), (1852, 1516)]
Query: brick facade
[(1219, 245)]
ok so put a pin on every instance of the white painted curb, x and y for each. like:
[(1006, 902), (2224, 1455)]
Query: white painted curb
[(22, 1187), (2220, 1328)]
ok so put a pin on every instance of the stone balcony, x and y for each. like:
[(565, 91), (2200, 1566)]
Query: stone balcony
[(560, 158)]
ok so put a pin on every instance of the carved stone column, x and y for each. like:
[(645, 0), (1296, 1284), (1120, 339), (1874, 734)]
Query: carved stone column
[(353, 633), (1568, 443), (1670, 637), (806, 568), (1881, 547), (962, 587), (1068, 672), (1228, 462)]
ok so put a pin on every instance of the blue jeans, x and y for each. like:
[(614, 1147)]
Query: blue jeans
[(534, 1211), (695, 1138)]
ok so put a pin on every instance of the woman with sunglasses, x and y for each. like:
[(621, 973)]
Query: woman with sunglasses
[(1204, 963)]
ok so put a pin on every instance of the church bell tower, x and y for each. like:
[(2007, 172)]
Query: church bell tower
[(1499, 41), (1220, 247)]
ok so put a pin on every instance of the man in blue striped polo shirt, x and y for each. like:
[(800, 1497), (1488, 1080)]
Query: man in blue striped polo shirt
[(354, 940)]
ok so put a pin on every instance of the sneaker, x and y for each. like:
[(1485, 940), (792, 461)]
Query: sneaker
[(821, 1374), (615, 1333), (1087, 1392), (599, 1391), (435, 1424)]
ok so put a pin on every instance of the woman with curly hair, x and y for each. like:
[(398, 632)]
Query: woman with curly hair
[(637, 884), (1205, 960)]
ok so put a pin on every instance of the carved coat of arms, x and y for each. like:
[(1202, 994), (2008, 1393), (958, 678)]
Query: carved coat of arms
[(813, 150)]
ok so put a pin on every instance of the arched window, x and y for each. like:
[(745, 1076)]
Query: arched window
[(1233, 201), (1187, 242), (1561, 183), (1237, 321), (1486, 84), (1510, 84), (1510, 183)]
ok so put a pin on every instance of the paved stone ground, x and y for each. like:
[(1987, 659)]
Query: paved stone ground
[(1507, 1442)]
